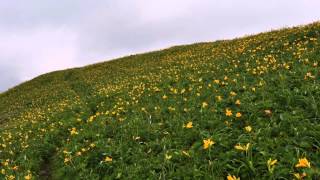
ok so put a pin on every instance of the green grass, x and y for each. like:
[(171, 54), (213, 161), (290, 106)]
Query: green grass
[(127, 118)]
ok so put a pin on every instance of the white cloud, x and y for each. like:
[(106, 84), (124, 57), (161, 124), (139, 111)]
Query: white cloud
[(41, 36), (38, 51)]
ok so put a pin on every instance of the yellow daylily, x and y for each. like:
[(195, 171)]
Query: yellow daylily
[(28, 177), (168, 157), (268, 112), (248, 128), (207, 143), (232, 177), (189, 125), (108, 159), (228, 112), (271, 162), (303, 163), (242, 147), (73, 131), (204, 104), (300, 176), (219, 98), (238, 115)]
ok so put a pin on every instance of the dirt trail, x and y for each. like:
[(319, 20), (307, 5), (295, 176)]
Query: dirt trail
[(46, 171)]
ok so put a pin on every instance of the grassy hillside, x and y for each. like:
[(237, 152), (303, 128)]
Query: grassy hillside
[(246, 108)]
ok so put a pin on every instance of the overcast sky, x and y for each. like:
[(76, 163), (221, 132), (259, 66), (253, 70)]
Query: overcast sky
[(39, 36)]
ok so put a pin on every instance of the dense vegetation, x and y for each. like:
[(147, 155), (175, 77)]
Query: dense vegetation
[(246, 108)]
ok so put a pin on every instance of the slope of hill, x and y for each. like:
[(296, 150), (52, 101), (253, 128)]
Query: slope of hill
[(248, 107)]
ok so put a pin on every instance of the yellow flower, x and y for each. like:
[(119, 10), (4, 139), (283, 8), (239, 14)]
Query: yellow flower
[(108, 159), (217, 81), (28, 177), (242, 147), (219, 98), (156, 89), (248, 128), (92, 145), (6, 163), (188, 125), (204, 104), (91, 118), (233, 93), (186, 153), (66, 160), (237, 102), (164, 97), (230, 177), (303, 163), (238, 115), (228, 112), (300, 176), (11, 177), (207, 143), (309, 75), (227, 123), (168, 157), (271, 162), (268, 112), (74, 131)]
